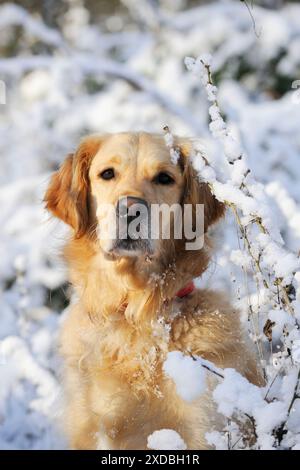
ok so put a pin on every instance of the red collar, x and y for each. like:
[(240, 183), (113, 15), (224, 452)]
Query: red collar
[(188, 289)]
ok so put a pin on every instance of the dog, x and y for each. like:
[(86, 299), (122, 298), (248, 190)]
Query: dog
[(136, 300)]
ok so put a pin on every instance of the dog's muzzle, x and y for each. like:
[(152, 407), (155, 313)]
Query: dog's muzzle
[(133, 225)]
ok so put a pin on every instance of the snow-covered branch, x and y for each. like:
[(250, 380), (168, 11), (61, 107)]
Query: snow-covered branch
[(275, 269)]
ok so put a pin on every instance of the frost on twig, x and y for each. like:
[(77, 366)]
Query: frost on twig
[(275, 272), (245, 196), (169, 140)]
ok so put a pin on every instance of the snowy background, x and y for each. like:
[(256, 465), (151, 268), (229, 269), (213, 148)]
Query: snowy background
[(74, 67)]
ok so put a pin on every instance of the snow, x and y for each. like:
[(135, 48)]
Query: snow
[(126, 72), (165, 439), (187, 373), (296, 352), (235, 392), (174, 152)]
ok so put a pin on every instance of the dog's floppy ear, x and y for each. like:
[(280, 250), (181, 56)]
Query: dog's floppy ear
[(197, 192), (67, 193)]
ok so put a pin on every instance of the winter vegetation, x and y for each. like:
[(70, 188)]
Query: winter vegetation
[(220, 72)]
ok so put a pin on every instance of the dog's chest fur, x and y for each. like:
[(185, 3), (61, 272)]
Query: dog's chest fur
[(122, 383)]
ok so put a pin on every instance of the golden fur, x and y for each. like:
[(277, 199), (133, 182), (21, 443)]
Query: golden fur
[(118, 333)]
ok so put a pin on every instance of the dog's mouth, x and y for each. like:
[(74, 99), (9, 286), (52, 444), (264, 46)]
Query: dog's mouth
[(132, 247)]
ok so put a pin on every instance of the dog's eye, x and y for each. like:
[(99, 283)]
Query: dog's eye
[(107, 174), (163, 178)]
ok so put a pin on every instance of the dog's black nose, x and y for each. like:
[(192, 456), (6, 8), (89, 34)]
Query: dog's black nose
[(131, 207), (133, 225)]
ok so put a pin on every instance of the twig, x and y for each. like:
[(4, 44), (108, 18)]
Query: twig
[(210, 368), (280, 431), (252, 17)]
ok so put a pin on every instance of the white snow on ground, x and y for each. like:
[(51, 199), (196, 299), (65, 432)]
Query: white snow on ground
[(91, 77)]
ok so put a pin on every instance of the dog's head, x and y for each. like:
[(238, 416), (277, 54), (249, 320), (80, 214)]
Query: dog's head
[(111, 189)]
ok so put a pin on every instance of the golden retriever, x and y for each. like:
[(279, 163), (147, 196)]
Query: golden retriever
[(129, 314)]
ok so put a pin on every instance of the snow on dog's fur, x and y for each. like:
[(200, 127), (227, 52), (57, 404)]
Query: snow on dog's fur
[(117, 335)]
